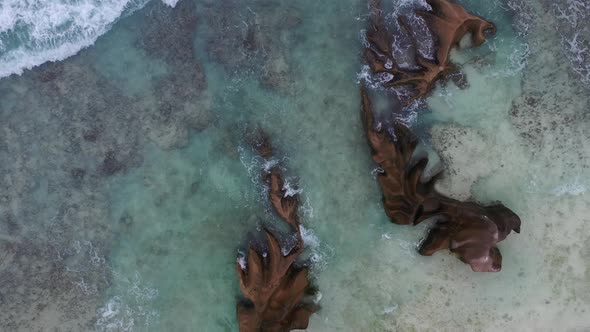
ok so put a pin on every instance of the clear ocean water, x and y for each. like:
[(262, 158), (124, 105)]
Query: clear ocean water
[(127, 189)]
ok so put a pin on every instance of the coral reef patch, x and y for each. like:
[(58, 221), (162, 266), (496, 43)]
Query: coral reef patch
[(256, 41)]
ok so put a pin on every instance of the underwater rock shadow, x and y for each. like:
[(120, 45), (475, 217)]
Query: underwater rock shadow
[(467, 229)]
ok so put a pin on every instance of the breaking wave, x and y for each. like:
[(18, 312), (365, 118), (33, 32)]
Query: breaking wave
[(36, 31)]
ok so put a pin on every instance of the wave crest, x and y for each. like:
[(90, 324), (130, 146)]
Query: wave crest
[(34, 32)]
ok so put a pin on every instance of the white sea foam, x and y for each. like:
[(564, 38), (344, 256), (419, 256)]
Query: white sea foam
[(317, 298), (37, 31), (107, 316), (407, 7), (270, 164), (390, 310), (572, 188), (578, 54), (129, 311), (241, 259), (307, 209), (421, 32), (572, 15), (408, 247), (573, 11), (309, 238), (526, 16), (171, 3), (290, 190)]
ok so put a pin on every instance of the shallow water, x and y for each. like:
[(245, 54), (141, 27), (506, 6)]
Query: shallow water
[(128, 189)]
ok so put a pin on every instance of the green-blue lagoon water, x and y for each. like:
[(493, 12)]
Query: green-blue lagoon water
[(128, 188)]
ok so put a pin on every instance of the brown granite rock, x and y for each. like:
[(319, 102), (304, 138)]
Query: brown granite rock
[(400, 179), (448, 22), (468, 229), (272, 282)]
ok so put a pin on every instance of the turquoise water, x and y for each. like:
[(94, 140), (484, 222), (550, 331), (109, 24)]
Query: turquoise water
[(128, 188)]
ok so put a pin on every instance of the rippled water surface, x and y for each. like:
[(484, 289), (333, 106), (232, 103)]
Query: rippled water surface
[(127, 187)]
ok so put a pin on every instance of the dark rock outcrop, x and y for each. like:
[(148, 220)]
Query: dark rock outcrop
[(448, 22), (403, 191), (468, 229), (256, 41), (273, 283)]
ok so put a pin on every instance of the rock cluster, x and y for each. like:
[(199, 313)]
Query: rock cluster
[(273, 283), (448, 22), (468, 229)]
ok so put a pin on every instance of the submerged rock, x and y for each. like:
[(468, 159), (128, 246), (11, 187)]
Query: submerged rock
[(468, 229), (49, 71), (448, 22), (260, 142), (276, 73), (110, 164)]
